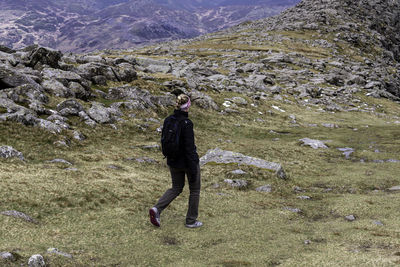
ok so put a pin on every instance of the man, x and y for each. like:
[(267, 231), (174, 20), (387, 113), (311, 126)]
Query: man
[(184, 162)]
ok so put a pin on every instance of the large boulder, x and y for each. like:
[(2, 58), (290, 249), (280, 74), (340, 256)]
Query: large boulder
[(10, 152), (154, 65), (203, 100), (10, 78), (80, 91), (144, 97), (70, 107), (60, 75), (44, 56), (219, 156), (90, 70), (56, 88), (126, 72), (25, 94), (101, 114)]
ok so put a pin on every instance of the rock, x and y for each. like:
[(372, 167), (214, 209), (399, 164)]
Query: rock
[(154, 65), (99, 113), (238, 172), (395, 188), (6, 49), (7, 256), (295, 210), (45, 56), (60, 75), (99, 80), (330, 125), (51, 126), (70, 107), (89, 59), (350, 218), (347, 151), (20, 215), (202, 100), (60, 253), (90, 70), (227, 157), (304, 197), (10, 78), (146, 160), (79, 136), (379, 223), (56, 88), (79, 91), (241, 184), (238, 100), (265, 188), (36, 261), (10, 152), (126, 72), (63, 161), (315, 144)]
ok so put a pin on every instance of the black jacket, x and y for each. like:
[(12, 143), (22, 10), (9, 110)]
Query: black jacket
[(187, 157)]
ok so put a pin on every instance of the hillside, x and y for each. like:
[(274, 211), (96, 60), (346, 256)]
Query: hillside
[(90, 25), (311, 95)]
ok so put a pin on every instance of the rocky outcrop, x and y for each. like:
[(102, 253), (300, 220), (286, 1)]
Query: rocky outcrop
[(219, 156), (9, 152)]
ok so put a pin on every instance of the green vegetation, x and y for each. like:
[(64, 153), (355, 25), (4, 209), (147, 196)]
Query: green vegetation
[(99, 213)]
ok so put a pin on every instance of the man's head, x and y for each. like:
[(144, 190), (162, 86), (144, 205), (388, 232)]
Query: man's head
[(183, 102)]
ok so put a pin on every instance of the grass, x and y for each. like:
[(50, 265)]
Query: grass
[(99, 214)]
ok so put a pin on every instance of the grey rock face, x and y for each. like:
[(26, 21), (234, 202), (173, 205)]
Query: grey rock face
[(36, 261), (7, 256), (58, 252), (60, 75), (264, 188), (203, 100), (241, 184), (79, 91), (20, 215), (70, 107), (99, 113), (126, 72), (140, 99), (313, 143), (90, 70), (395, 188), (152, 65), (347, 151), (226, 157), (10, 78), (238, 172), (9, 152), (45, 56), (63, 161), (56, 88)]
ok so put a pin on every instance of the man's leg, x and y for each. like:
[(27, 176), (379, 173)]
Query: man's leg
[(178, 182), (194, 198)]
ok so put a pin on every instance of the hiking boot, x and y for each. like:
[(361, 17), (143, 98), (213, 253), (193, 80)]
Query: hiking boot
[(155, 217), (196, 224)]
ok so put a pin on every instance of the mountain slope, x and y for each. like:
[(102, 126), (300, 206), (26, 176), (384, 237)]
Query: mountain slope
[(93, 24), (313, 89)]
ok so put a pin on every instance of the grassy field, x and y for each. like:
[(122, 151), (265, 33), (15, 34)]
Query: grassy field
[(98, 212)]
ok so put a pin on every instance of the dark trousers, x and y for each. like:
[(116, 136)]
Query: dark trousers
[(178, 182)]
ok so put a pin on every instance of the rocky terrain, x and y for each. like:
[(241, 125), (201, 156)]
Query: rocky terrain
[(316, 90), (90, 25), (327, 64)]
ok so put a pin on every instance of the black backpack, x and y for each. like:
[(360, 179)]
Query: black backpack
[(170, 136)]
